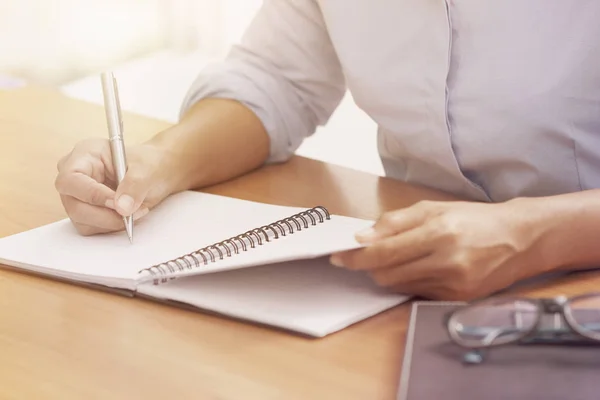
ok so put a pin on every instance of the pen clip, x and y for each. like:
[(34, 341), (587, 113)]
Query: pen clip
[(118, 104)]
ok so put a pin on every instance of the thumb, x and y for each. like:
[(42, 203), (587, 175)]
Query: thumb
[(393, 223), (131, 192)]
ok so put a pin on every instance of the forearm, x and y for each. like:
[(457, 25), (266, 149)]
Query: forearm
[(216, 140), (571, 231)]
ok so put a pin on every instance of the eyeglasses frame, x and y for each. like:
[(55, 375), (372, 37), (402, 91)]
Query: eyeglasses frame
[(544, 306)]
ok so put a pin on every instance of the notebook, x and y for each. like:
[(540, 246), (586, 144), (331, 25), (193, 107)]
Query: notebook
[(432, 367), (253, 261)]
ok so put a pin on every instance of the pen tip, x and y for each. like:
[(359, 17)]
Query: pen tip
[(129, 228)]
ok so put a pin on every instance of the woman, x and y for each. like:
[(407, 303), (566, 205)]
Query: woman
[(495, 101)]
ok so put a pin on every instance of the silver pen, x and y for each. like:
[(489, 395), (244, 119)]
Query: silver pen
[(114, 120)]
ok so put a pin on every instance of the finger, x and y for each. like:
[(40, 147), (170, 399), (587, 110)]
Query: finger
[(132, 191), (395, 250), (395, 222), (419, 270), (96, 218), (61, 162), (85, 189), (94, 153), (422, 285), (82, 174), (88, 230), (427, 288), (84, 162), (429, 277)]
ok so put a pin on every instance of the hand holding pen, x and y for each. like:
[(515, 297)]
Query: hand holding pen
[(103, 189)]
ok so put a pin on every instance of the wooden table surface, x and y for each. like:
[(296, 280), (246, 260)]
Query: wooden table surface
[(61, 341)]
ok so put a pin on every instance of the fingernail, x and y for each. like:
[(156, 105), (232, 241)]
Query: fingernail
[(336, 260), (110, 203), (365, 235), (125, 203), (140, 213)]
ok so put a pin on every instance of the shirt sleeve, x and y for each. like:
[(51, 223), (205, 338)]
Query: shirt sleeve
[(284, 69)]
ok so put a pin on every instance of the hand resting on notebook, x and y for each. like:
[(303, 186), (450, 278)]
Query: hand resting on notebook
[(461, 250)]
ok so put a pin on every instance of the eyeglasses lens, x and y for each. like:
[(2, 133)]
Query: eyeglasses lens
[(585, 312), (493, 322)]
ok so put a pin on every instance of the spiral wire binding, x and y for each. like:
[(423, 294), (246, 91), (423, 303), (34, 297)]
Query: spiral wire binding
[(226, 248)]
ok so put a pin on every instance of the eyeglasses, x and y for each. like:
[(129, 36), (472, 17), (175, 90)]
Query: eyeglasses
[(500, 321)]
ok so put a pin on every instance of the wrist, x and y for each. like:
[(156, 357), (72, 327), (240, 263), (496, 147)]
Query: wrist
[(179, 162), (562, 229), (538, 223)]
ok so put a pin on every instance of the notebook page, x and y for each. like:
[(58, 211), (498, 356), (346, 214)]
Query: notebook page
[(307, 296), (181, 224)]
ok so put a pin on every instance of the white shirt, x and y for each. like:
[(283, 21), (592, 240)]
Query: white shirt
[(489, 100)]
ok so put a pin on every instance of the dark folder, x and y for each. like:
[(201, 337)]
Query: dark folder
[(433, 368)]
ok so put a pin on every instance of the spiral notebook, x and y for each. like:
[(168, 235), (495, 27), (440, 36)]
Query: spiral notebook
[(253, 261)]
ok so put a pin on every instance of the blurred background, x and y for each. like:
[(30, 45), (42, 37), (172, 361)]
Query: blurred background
[(156, 48)]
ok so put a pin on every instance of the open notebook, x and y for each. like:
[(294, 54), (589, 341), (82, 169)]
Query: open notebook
[(253, 261)]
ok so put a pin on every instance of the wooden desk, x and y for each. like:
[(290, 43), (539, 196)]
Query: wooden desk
[(60, 341)]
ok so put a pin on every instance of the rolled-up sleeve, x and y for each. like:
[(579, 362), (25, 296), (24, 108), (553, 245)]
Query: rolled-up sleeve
[(284, 69)]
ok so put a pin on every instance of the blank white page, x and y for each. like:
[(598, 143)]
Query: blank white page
[(181, 224), (307, 296)]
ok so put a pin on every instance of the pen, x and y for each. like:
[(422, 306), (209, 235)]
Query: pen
[(114, 121)]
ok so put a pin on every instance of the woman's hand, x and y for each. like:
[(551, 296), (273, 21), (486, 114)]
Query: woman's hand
[(86, 182), (451, 250)]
